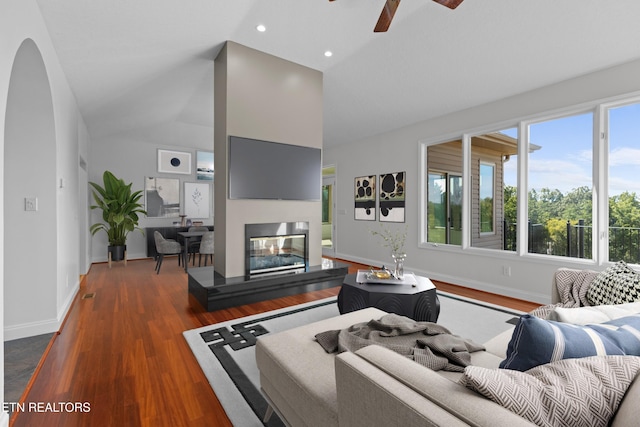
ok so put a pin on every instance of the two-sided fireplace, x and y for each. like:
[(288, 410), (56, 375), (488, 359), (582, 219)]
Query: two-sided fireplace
[(276, 248)]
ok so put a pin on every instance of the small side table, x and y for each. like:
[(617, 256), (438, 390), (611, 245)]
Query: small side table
[(418, 302)]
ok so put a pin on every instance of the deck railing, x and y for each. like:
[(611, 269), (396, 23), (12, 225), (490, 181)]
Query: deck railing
[(576, 241)]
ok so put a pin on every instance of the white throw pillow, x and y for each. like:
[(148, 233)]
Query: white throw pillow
[(594, 314)]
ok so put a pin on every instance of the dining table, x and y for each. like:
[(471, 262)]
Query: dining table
[(188, 237)]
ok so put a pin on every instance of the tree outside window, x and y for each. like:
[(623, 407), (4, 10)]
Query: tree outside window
[(487, 186)]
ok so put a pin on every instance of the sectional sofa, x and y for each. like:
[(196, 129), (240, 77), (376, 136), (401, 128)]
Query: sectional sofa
[(375, 386)]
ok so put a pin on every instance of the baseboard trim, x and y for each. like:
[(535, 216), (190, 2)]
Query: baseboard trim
[(47, 326), (25, 330), (473, 284), (130, 257), (62, 314)]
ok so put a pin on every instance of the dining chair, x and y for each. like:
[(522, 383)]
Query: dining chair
[(194, 246), (165, 247), (206, 248)]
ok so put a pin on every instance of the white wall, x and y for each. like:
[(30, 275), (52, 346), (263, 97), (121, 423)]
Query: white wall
[(398, 151), (84, 251), (21, 20)]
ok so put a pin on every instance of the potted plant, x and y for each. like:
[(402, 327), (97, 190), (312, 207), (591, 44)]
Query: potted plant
[(120, 209), (394, 240)]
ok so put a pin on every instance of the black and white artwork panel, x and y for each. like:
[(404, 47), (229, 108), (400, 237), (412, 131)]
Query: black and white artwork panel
[(174, 162)]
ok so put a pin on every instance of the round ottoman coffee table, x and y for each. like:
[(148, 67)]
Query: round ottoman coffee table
[(419, 302)]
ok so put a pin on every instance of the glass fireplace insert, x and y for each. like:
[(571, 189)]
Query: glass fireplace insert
[(276, 254), (276, 248)]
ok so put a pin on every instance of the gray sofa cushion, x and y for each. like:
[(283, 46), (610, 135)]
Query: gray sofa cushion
[(382, 369), (629, 411), (298, 376)]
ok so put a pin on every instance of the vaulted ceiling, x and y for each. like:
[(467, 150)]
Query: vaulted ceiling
[(144, 68)]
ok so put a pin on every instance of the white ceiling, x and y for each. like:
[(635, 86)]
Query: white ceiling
[(139, 67)]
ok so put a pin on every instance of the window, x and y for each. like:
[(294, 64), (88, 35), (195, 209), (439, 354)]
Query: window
[(445, 208), (580, 171), (493, 193), (444, 193), (327, 203), (624, 190), (560, 186)]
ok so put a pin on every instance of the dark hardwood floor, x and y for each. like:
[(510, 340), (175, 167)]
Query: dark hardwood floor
[(121, 355)]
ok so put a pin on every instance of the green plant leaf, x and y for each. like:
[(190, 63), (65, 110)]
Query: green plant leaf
[(120, 208)]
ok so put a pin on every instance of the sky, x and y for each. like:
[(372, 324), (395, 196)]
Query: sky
[(564, 161)]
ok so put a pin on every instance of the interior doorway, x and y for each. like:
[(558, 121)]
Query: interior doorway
[(328, 211), (29, 201)]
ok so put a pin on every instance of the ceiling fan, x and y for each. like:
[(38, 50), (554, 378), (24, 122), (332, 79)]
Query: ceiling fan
[(390, 9)]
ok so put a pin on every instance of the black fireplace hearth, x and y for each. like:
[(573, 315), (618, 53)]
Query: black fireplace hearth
[(276, 265), (210, 291)]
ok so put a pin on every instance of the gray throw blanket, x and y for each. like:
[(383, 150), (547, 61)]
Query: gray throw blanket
[(427, 343), (572, 288)]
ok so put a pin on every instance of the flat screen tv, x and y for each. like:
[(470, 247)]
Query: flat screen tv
[(271, 170)]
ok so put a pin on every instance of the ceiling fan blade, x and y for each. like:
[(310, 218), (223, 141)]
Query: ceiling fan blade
[(451, 4), (386, 16)]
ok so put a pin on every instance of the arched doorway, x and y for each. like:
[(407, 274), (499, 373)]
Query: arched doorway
[(30, 220)]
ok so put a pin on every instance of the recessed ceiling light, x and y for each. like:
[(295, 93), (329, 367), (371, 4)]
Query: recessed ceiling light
[(261, 28), (328, 53)]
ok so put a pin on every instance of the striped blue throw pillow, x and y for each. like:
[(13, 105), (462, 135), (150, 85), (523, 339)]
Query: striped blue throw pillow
[(536, 341)]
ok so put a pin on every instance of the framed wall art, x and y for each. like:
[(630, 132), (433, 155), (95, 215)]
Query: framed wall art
[(162, 197), (204, 165), (392, 197), (365, 198), (174, 162), (196, 200)]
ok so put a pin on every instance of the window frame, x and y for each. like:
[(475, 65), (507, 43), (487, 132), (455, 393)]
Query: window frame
[(601, 173)]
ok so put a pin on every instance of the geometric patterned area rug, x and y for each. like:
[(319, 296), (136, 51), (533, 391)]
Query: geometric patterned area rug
[(225, 351)]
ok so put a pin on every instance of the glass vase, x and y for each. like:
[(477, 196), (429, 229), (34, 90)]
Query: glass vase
[(398, 259)]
